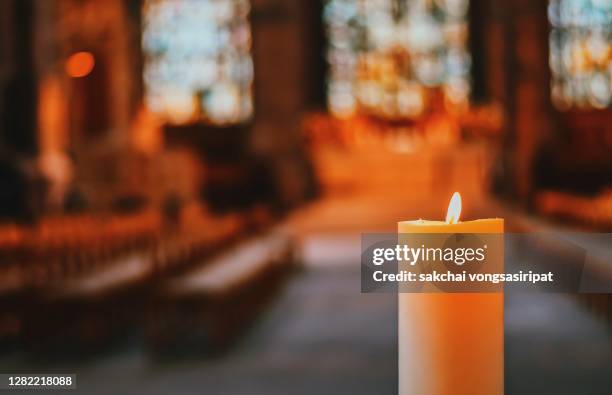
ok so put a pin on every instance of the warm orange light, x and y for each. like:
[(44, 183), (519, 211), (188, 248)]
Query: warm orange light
[(454, 209), (80, 64)]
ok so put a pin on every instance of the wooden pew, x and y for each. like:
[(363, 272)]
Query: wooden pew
[(59, 248), (203, 310), (74, 279), (195, 240), (12, 298), (50, 268), (82, 314)]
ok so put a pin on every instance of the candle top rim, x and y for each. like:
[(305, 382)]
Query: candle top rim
[(429, 222)]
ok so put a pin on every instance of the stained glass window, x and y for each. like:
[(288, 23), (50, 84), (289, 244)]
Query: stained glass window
[(198, 66), (383, 54), (581, 53)]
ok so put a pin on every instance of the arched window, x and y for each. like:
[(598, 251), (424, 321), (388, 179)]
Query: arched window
[(198, 66), (581, 53), (384, 53)]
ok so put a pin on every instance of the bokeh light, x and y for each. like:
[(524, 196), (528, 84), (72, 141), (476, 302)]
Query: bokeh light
[(581, 53), (80, 64), (378, 51), (198, 66)]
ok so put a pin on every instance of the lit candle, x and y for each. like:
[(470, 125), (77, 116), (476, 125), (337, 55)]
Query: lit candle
[(451, 343)]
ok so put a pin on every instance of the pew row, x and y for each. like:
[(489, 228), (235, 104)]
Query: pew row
[(205, 309), (87, 280)]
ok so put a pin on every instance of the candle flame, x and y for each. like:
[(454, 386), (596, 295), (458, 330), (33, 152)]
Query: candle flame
[(454, 209)]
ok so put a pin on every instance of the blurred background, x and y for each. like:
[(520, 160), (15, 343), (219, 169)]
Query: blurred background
[(183, 183)]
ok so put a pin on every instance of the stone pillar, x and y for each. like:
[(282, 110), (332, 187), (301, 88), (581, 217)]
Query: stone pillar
[(20, 79), (532, 108), (519, 78), (282, 62)]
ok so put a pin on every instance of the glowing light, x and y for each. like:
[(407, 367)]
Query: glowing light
[(580, 48), (80, 64), (378, 50), (198, 53), (454, 209)]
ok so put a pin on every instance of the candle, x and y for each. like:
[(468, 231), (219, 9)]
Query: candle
[(451, 343)]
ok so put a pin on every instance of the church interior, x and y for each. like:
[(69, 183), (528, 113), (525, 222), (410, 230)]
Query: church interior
[(184, 183)]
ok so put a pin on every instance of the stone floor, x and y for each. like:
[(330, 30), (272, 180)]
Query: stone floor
[(322, 335), (552, 346)]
